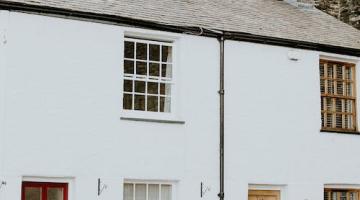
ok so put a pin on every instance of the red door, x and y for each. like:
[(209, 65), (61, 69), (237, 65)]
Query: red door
[(44, 191)]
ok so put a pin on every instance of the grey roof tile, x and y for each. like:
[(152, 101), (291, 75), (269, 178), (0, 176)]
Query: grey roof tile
[(272, 18)]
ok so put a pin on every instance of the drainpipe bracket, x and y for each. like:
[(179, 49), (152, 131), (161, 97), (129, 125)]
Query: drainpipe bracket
[(221, 92), (221, 195)]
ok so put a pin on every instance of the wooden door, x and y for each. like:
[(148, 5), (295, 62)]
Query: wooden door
[(264, 195)]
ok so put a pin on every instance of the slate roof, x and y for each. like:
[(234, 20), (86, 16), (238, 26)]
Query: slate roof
[(270, 18)]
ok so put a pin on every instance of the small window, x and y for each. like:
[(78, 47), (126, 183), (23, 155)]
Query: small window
[(44, 191), (147, 191), (148, 75), (264, 195), (341, 194), (338, 96)]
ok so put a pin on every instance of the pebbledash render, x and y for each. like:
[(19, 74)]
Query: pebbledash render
[(175, 100)]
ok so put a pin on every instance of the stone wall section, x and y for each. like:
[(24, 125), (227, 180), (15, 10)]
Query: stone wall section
[(347, 11)]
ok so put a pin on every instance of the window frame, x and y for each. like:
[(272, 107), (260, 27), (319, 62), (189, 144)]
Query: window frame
[(270, 187), (164, 117), (44, 186), (353, 98), (330, 190), (150, 182)]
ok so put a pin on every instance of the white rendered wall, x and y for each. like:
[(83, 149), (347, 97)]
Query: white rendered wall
[(62, 91), (3, 40), (63, 109), (273, 125)]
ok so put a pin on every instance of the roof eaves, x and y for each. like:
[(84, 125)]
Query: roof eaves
[(240, 36)]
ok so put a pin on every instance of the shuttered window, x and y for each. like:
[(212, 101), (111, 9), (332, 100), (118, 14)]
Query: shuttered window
[(333, 194), (338, 96)]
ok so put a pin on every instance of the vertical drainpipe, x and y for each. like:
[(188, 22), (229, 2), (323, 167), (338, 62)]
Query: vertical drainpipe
[(222, 94)]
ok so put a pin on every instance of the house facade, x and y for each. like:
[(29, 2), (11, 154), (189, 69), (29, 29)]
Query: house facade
[(97, 109)]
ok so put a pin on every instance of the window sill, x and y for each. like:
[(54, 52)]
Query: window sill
[(340, 131), (152, 120), (151, 117)]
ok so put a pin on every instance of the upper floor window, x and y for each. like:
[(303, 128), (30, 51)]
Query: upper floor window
[(148, 75), (338, 96), (341, 194)]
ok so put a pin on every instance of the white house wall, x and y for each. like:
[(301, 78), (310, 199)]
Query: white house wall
[(62, 116), (63, 89), (273, 124)]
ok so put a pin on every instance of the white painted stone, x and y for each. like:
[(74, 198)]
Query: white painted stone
[(62, 86)]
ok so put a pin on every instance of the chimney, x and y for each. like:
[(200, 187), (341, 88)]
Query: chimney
[(304, 4)]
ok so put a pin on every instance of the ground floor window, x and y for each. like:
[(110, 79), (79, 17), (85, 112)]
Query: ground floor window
[(44, 191), (264, 195), (147, 191), (341, 194)]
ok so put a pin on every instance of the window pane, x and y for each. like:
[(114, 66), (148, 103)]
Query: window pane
[(154, 52), (154, 69), (334, 196), (165, 88), (340, 88), (329, 120), (329, 104), (128, 85), (349, 89), (141, 51), (339, 72), (140, 192), (343, 196), (33, 193), (139, 102), (354, 195), (330, 71), (128, 67), (127, 101), (166, 70), (55, 194), (348, 106), (330, 87), (165, 105), (128, 191), (322, 86), (140, 86), (348, 121), (348, 73), (338, 104), (152, 102), (153, 88), (141, 68), (166, 54), (129, 49), (326, 196), (338, 121), (153, 192), (322, 70), (165, 192)]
